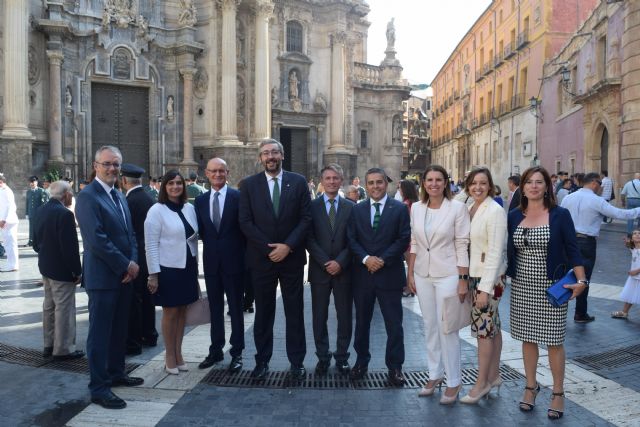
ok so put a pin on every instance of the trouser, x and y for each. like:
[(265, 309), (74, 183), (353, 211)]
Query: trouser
[(631, 204), (142, 317), (219, 285), (443, 350), (343, 301), (587, 248), (32, 228), (10, 238), (59, 316)]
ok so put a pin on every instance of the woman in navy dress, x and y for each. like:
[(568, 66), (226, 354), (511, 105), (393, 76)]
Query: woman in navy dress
[(171, 238)]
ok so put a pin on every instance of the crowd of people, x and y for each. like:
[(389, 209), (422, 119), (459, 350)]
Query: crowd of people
[(453, 251)]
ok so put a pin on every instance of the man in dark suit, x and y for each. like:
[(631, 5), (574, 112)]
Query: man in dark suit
[(379, 232), (142, 316), (35, 198), (223, 260), (109, 267), (329, 261), (514, 192), (56, 241), (275, 218)]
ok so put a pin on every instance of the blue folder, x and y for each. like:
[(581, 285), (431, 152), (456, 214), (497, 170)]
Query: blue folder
[(559, 295)]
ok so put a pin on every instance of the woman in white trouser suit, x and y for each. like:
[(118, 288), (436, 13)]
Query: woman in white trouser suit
[(8, 225), (438, 268)]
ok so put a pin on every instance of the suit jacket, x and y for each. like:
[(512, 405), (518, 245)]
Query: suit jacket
[(488, 243), (261, 226), (139, 204), (448, 239), (515, 199), (34, 199), (108, 238), (224, 249), (388, 242), (56, 241), (325, 244)]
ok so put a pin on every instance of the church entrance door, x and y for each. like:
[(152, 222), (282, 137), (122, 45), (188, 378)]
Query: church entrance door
[(295, 143), (120, 117)]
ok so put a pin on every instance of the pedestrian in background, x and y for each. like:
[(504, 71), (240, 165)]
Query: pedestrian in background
[(630, 294), (34, 198), (563, 191), (9, 225), (630, 196), (55, 239)]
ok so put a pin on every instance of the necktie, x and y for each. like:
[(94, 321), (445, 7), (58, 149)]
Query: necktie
[(276, 196), (332, 213), (376, 217), (215, 211), (116, 200)]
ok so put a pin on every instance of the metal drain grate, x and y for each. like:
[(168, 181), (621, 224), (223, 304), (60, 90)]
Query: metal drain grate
[(611, 359), (30, 357), (374, 380)]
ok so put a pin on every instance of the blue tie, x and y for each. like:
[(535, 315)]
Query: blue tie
[(116, 200)]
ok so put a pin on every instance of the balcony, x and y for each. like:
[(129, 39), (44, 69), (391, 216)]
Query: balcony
[(484, 118), (518, 101), (486, 68), (503, 108), (498, 60), (446, 104), (523, 39), (456, 94), (474, 123), (509, 50), (479, 75), (450, 99)]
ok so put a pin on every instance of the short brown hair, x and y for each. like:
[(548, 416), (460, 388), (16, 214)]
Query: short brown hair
[(163, 196), (472, 174), (424, 196), (549, 197)]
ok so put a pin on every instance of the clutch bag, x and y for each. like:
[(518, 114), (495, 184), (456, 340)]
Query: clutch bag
[(198, 313), (557, 294), (456, 315)]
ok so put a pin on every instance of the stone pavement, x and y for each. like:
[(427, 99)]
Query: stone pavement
[(601, 390)]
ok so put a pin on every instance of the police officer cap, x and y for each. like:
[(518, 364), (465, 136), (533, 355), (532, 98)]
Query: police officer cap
[(132, 171), (193, 176), (33, 178)]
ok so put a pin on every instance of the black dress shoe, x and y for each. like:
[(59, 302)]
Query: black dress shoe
[(127, 381), (343, 367), (248, 309), (47, 352), (298, 373), (210, 360), (236, 364), (358, 372), (75, 355), (396, 378), (584, 319), (109, 402), (322, 367), (260, 371)]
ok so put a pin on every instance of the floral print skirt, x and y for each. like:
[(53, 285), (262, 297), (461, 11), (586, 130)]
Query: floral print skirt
[(485, 323)]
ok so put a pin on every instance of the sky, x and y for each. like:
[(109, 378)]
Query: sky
[(427, 31)]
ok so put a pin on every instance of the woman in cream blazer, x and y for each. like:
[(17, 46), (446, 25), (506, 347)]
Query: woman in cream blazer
[(438, 268), (487, 264), (171, 241)]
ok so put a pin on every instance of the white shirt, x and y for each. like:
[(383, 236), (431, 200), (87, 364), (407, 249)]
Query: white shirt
[(271, 182), (108, 189), (8, 211), (328, 205), (607, 188), (631, 189), (221, 198), (373, 208), (587, 209)]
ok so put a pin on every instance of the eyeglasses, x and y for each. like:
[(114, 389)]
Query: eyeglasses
[(270, 153), (524, 236), (109, 165)]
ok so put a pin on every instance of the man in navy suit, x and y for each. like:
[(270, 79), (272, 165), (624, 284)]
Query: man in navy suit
[(109, 267), (329, 264), (223, 260), (379, 232), (275, 218)]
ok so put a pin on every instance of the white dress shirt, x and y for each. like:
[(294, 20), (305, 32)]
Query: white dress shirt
[(108, 189), (221, 198), (587, 210), (271, 182), (373, 208)]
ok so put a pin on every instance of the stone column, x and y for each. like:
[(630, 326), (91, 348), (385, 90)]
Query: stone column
[(16, 70), (187, 126), (262, 98), (55, 100), (630, 152), (338, 113), (228, 106)]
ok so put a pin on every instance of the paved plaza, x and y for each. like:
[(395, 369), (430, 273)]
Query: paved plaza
[(602, 374)]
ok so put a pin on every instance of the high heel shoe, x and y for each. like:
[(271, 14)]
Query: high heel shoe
[(473, 400), (555, 414), (526, 406), (428, 391), (172, 371), (497, 383), (183, 367), (448, 400)]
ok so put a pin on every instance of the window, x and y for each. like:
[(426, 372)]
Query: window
[(363, 139), (294, 36), (524, 74), (601, 68)]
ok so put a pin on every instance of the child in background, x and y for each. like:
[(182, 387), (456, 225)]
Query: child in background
[(631, 292)]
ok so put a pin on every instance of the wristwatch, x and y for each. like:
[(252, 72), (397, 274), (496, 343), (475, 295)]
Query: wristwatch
[(463, 277), (584, 282)]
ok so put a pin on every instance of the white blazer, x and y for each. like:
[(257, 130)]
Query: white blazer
[(445, 247), (164, 237), (488, 242), (8, 211)]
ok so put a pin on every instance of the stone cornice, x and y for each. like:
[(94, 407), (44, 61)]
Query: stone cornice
[(228, 4)]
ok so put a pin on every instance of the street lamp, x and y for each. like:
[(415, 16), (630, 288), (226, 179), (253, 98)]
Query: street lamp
[(534, 104), (565, 77)]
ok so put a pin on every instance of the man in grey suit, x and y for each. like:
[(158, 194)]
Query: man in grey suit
[(109, 268), (328, 270)]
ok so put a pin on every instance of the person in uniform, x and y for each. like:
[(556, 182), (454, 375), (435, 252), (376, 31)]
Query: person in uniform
[(151, 189), (35, 198), (193, 189)]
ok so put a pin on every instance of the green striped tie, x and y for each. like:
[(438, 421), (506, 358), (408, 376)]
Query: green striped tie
[(376, 217), (332, 214), (276, 196)]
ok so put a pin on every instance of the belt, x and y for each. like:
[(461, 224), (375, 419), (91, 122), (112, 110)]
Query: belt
[(584, 236)]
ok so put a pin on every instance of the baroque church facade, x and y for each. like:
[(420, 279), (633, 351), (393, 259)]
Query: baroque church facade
[(173, 83)]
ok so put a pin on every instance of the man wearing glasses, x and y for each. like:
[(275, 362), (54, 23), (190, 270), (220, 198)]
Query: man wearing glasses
[(587, 209), (274, 216), (109, 267)]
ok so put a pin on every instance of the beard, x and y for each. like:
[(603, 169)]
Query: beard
[(273, 166)]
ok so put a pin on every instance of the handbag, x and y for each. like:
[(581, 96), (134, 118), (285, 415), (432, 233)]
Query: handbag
[(456, 315), (198, 312), (557, 294)]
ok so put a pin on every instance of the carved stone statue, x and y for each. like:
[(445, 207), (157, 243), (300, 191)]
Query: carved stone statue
[(187, 16), (68, 98), (320, 104), (170, 108), (274, 96), (293, 85), (120, 11), (391, 34)]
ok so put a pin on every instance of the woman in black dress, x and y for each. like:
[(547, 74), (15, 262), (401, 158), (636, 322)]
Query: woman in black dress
[(171, 238)]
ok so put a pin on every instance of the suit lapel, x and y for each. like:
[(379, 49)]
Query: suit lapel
[(106, 198)]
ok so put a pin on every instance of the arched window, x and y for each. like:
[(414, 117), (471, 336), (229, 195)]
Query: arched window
[(294, 36)]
